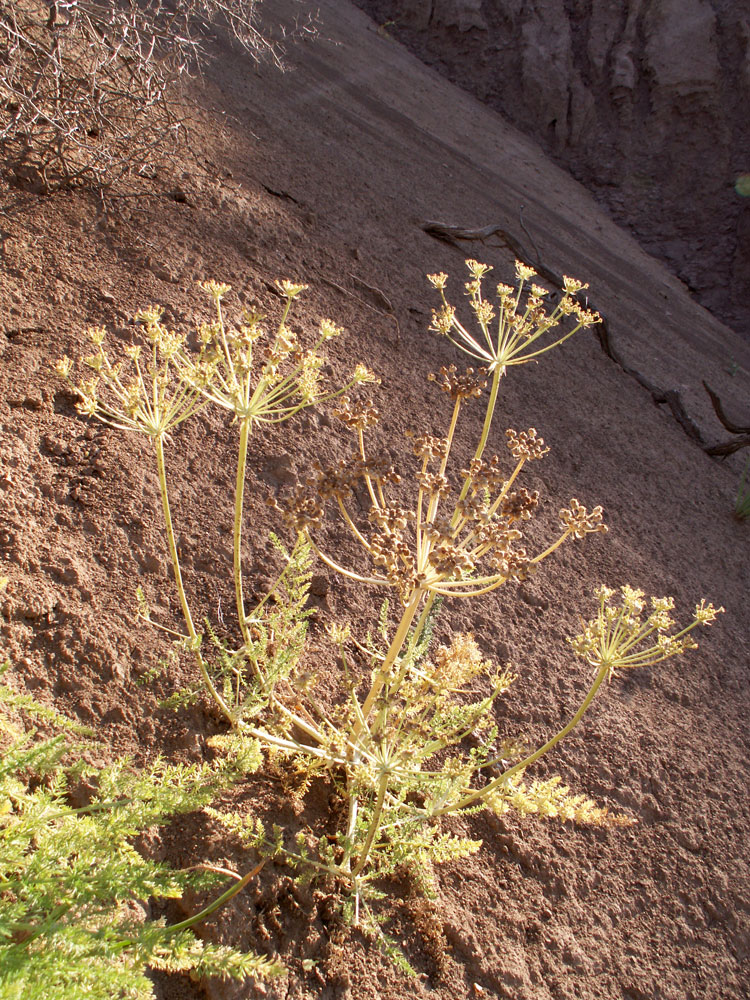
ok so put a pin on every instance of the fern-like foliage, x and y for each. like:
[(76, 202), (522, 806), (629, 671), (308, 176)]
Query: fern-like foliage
[(553, 799), (248, 677), (73, 888)]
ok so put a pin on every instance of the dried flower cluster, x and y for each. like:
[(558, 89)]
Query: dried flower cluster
[(143, 393), (426, 548)]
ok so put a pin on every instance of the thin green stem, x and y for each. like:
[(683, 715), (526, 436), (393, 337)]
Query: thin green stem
[(368, 482), (375, 581), (374, 824), (351, 824), (491, 402), (194, 637), (481, 793), (415, 638), (432, 506), (548, 551), (382, 675), (239, 496), (217, 903), (419, 627)]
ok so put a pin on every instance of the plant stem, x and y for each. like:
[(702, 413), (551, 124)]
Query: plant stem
[(419, 627), (224, 898), (374, 824), (391, 656), (351, 824), (194, 637), (481, 793), (416, 637), (239, 496), (496, 375)]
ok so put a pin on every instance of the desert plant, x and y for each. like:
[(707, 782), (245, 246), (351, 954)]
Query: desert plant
[(74, 889), (415, 740), (260, 379), (87, 89)]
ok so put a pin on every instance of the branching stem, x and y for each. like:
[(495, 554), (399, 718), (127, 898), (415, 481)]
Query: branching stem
[(239, 496)]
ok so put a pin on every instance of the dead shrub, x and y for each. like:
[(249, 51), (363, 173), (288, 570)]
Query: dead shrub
[(87, 89)]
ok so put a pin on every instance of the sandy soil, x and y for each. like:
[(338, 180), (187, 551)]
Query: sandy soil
[(325, 174)]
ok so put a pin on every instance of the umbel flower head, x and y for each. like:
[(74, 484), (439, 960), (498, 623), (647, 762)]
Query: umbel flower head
[(631, 635), (521, 318), (163, 381), (260, 377), (144, 393)]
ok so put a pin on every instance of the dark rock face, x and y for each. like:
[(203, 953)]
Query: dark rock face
[(646, 102)]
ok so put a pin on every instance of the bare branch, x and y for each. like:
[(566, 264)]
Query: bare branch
[(86, 87)]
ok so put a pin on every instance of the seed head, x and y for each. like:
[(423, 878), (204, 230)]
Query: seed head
[(474, 508), (572, 285), (478, 270), (429, 447), (450, 561), (485, 474), (335, 481), (519, 505), (216, 289), (524, 272), (433, 484), (363, 375), (358, 415), (706, 613), (525, 444), (580, 522), (64, 366), (459, 386), (303, 510), (513, 565), (391, 521), (289, 290), (620, 638), (443, 320), (329, 330), (96, 335)]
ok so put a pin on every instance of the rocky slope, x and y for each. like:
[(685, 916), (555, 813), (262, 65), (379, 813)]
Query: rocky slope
[(644, 101)]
